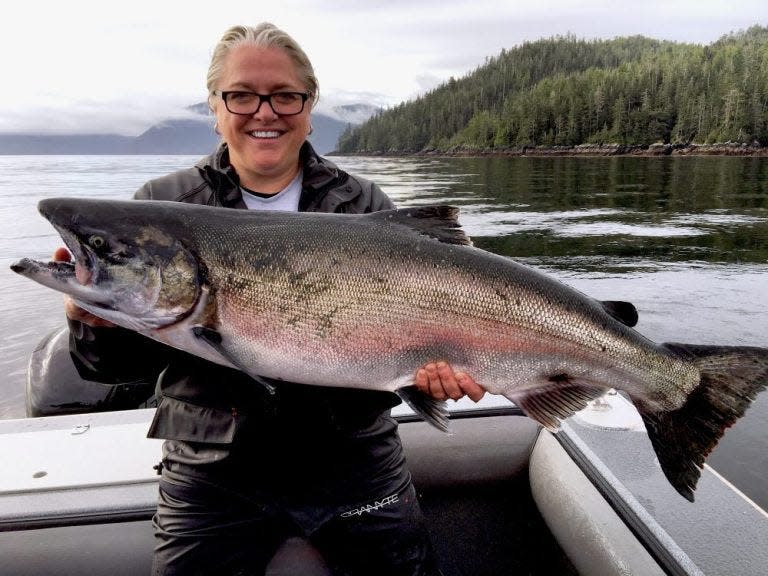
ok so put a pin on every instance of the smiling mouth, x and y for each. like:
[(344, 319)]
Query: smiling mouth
[(268, 134)]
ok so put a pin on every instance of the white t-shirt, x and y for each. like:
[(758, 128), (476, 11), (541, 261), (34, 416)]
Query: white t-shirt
[(287, 199)]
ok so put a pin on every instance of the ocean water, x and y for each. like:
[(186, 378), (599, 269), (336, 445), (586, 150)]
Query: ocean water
[(684, 239)]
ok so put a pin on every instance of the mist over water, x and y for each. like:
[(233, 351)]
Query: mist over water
[(683, 238)]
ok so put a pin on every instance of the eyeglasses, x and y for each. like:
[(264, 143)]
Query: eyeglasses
[(249, 103)]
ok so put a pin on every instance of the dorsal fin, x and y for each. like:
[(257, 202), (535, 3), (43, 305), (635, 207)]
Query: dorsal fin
[(439, 221), (624, 312)]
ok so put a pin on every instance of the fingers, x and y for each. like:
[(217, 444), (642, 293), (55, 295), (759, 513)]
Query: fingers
[(440, 381), (62, 255), (437, 380), (74, 312), (470, 387)]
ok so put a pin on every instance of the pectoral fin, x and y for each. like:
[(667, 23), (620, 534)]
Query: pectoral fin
[(431, 410), (213, 339)]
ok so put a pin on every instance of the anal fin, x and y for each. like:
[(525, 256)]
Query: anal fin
[(213, 339), (551, 404)]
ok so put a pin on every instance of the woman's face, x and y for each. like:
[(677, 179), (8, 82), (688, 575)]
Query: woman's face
[(264, 147)]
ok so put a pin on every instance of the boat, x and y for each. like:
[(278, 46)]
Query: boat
[(501, 494)]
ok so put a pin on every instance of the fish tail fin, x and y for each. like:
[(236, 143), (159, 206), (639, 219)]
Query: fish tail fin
[(730, 379), (432, 410)]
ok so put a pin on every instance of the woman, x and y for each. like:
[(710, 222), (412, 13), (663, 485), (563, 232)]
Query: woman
[(244, 470)]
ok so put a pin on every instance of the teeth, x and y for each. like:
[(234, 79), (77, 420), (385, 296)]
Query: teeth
[(265, 134)]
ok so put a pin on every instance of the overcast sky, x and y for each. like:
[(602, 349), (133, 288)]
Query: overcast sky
[(118, 67)]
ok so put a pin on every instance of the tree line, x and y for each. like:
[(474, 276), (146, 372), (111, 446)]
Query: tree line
[(565, 91)]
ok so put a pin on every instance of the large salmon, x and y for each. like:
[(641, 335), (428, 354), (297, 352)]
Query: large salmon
[(363, 301)]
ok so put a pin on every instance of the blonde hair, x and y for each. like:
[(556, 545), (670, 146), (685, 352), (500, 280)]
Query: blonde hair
[(265, 35)]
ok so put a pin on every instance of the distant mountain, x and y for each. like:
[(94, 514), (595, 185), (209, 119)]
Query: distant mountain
[(64, 144), (329, 126), (192, 135), (188, 136)]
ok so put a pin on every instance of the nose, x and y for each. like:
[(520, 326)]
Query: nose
[(264, 111)]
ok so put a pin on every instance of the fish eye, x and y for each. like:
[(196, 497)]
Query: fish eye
[(96, 242)]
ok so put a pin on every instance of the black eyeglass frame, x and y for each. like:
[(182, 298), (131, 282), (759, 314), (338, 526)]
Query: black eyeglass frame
[(224, 94)]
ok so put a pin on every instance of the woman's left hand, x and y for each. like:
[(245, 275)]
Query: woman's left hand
[(440, 381)]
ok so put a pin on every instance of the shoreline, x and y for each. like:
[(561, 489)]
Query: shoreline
[(726, 149)]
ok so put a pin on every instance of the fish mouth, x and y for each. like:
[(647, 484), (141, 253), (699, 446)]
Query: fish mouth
[(77, 277), (66, 220), (60, 271), (67, 277), (84, 260)]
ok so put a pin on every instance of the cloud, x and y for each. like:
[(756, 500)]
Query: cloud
[(428, 81), (82, 66), (343, 98), (126, 118)]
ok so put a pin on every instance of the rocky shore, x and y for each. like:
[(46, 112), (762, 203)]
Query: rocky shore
[(726, 149), (660, 149)]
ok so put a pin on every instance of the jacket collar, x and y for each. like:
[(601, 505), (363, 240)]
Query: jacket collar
[(319, 174), (318, 171), (221, 176)]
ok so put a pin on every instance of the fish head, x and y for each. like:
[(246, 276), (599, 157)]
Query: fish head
[(125, 267)]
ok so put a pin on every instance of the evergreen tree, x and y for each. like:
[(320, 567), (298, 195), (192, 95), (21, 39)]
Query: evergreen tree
[(565, 91)]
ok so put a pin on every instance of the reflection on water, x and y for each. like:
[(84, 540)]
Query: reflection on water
[(685, 239), (596, 213)]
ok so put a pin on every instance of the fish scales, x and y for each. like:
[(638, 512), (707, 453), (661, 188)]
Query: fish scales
[(325, 301), (363, 301)]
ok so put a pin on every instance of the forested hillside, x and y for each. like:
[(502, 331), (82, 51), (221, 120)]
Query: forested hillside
[(564, 91)]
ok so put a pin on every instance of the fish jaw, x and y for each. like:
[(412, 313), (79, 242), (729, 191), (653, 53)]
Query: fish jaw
[(60, 276), (125, 270)]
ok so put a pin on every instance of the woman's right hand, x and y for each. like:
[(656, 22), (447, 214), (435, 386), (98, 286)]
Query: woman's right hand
[(72, 310)]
